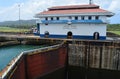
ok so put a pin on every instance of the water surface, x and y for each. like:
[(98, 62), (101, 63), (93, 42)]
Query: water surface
[(9, 52)]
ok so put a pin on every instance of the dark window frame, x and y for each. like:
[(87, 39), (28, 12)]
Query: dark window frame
[(70, 17), (57, 18), (51, 18), (82, 17), (89, 17), (76, 17), (96, 17), (46, 18)]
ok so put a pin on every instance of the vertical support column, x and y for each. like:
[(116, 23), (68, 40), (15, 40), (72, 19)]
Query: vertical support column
[(87, 58), (100, 61), (67, 62), (38, 28), (118, 60), (88, 54), (26, 68)]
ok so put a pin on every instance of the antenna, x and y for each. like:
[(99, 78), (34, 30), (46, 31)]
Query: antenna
[(19, 17), (19, 13), (90, 2)]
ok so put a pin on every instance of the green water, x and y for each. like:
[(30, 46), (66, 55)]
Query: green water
[(8, 53)]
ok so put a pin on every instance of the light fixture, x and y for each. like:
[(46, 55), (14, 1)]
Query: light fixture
[(69, 22)]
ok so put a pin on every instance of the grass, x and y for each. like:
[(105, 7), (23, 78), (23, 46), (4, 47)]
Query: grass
[(114, 28), (14, 30), (116, 32)]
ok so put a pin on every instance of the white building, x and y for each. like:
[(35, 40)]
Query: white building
[(74, 21)]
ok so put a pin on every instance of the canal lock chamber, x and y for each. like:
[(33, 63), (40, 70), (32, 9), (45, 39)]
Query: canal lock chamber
[(79, 59), (21, 65)]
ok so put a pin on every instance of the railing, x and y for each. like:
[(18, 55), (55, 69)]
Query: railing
[(31, 52)]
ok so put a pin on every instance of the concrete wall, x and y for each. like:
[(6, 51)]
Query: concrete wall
[(91, 54), (94, 59), (60, 28), (76, 29)]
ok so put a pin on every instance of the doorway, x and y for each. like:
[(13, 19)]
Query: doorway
[(69, 35)]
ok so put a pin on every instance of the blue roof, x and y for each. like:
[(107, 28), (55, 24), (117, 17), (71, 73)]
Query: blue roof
[(54, 21), (72, 21), (86, 21)]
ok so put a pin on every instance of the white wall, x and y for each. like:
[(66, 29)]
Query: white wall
[(103, 18), (76, 29)]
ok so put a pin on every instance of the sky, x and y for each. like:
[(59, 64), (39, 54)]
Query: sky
[(9, 10)]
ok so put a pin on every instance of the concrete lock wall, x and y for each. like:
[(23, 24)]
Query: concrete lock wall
[(104, 55), (85, 60), (94, 60)]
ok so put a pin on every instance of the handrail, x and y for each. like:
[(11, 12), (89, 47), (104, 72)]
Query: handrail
[(35, 51)]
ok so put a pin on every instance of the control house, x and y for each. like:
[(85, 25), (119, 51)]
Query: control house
[(73, 21)]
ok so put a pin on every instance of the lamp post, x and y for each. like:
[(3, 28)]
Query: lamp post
[(19, 14), (90, 2)]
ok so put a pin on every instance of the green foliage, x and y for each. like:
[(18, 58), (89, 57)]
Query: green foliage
[(113, 27), (25, 26), (17, 26), (10, 29), (115, 32)]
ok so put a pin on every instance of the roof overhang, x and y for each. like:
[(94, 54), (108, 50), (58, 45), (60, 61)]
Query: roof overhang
[(108, 14)]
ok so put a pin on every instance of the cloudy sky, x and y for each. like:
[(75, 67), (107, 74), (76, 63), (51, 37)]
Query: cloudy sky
[(9, 9)]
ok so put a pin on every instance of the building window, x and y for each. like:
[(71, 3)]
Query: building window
[(57, 18), (51, 18), (46, 18), (70, 17), (89, 17), (82, 17), (96, 17), (76, 17)]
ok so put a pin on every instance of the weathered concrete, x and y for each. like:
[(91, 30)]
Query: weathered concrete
[(7, 43), (86, 53), (95, 54)]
